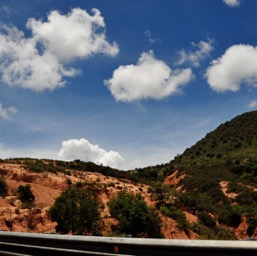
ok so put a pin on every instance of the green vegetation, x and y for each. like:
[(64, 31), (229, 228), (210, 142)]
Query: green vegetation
[(163, 195), (3, 187), (176, 214), (77, 211), (134, 216), (235, 139), (206, 220), (252, 225), (25, 194)]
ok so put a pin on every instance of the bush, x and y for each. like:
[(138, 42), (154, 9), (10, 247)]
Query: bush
[(3, 187), (134, 216), (175, 214), (206, 220), (25, 194), (203, 231), (193, 201), (247, 198), (252, 226), (77, 210), (229, 216), (224, 234), (162, 195)]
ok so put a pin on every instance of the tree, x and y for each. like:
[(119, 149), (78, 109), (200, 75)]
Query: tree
[(76, 210), (25, 194), (134, 216), (163, 195), (3, 187)]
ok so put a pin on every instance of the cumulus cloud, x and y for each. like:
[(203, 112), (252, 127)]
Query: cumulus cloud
[(150, 78), (237, 66), (75, 35), (232, 3), (41, 61), (5, 113), (252, 104), (203, 50), (82, 149)]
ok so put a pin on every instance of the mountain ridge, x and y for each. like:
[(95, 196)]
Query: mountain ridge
[(234, 138)]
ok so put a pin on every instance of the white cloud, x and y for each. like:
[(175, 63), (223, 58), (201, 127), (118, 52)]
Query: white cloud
[(149, 78), (40, 62), (237, 66), (232, 3), (82, 149), (252, 104), (75, 35), (6, 113), (195, 57)]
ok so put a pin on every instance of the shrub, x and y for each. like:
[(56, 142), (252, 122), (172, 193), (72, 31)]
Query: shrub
[(25, 194), (3, 187), (175, 214), (224, 234), (229, 216), (206, 220), (247, 198), (77, 210), (134, 216), (252, 226), (203, 231)]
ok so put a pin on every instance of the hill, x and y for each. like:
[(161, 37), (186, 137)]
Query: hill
[(217, 175), (208, 192), (233, 140)]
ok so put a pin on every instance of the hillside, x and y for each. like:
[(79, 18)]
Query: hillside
[(218, 174), (47, 180), (208, 192), (229, 153), (233, 140)]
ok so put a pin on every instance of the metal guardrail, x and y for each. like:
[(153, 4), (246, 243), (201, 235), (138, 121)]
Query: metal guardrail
[(25, 244)]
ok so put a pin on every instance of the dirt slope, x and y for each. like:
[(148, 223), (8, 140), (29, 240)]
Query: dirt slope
[(48, 186)]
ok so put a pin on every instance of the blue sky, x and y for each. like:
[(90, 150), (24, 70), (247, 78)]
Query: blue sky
[(122, 83)]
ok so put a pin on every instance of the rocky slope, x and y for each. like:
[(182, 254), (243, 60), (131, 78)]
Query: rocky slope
[(48, 186)]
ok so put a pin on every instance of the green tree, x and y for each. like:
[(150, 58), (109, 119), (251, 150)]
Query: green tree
[(163, 195), (3, 187), (77, 210), (25, 194), (134, 216)]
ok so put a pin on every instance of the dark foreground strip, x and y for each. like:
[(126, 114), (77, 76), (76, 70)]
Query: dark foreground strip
[(2, 253), (62, 245), (40, 250)]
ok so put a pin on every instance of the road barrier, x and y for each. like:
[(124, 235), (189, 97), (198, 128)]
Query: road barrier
[(17, 244)]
